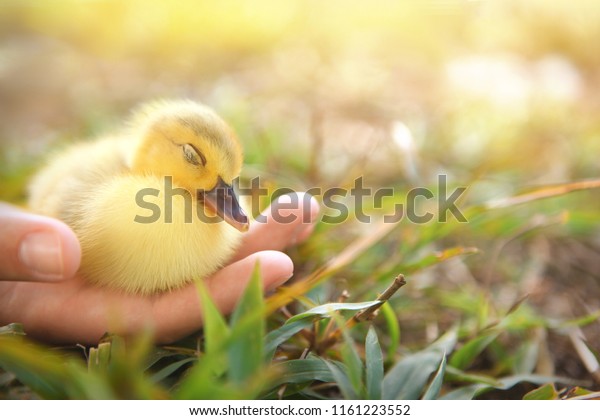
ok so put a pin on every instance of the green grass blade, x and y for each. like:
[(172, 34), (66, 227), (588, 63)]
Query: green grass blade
[(85, 385), (436, 384), (526, 357), (545, 392), (393, 330), (582, 321), (374, 365), (42, 371), (342, 380), (99, 357), (170, 369), (12, 329), (351, 359), (126, 368), (457, 375), (200, 382), (282, 334), (325, 311), (407, 379), (239, 351), (216, 331), (464, 356), (467, 392), (446, 343), (157, 354), (245, 347), (471, 391), (300, 371)]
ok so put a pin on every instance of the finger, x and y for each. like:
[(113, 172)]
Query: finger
[(178, 314), (290, 219), (36, 248)]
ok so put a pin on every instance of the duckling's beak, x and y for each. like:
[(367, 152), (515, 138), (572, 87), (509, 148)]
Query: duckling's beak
[(223, 201)]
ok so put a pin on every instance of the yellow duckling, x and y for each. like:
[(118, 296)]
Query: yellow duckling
[(148, 205)]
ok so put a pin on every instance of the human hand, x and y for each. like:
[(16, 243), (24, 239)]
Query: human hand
[(39, 287)]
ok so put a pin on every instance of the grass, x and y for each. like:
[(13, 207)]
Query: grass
[(503, 306)]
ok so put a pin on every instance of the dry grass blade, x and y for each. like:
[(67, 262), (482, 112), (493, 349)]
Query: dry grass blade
[(439, 257), (517, 304), (587, 357), (285, 295), (592, 396), (541, 193)]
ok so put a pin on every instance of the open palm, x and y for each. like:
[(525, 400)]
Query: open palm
[(71, 310)]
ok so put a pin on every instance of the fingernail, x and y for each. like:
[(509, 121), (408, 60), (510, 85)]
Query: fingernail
[(41, 252)]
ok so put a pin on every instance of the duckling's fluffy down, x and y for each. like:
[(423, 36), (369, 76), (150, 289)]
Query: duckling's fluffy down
[(89, 186)]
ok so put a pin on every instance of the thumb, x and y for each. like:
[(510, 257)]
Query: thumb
[(36, 248)]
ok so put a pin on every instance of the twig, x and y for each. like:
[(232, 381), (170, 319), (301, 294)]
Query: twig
[(370, 312), (364, 315)]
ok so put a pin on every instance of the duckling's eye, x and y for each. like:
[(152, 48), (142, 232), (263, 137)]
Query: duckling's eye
[(193, 155)]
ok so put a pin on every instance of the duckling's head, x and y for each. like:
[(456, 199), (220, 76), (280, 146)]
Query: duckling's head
[(193, 145)]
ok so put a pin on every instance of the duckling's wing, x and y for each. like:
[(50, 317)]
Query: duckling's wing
[(63, 185)]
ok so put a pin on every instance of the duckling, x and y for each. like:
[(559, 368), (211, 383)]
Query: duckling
[(153, 207)]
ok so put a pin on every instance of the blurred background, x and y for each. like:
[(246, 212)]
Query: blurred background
[(502, 96)]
